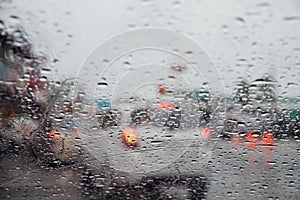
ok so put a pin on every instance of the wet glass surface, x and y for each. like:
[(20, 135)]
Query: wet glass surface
[(149, 99)]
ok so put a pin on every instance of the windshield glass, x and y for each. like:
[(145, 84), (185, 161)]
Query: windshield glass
[(149, 99)]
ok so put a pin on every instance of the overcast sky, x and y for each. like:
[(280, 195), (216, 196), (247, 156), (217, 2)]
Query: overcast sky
[(243, 38)]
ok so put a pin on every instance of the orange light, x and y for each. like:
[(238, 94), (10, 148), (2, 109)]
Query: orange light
[(206, 133), (268, 138), (161, 89), (54, 134), (166, 106), (130, 136), (252, 139)]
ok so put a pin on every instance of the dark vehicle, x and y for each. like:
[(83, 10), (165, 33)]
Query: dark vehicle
[(140, 116), (287, 125), (109, 119), (230, 126), (174, 119), (205, 113)]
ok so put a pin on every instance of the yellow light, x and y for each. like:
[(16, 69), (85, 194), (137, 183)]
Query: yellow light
[(130, 136)]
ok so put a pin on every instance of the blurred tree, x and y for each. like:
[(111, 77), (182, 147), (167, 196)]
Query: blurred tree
[(242, 93), (263, 90)]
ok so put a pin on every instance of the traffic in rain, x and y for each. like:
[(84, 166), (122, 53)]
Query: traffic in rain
[(148, 113)]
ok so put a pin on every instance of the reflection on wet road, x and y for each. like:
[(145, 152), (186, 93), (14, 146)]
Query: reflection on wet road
[(240, 172), (232, 171)]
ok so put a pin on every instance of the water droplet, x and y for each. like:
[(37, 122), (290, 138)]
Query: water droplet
[(292, 18), (240, 20)]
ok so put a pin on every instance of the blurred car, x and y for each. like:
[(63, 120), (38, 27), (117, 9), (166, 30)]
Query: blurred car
[(110, 119), (103, 105), (174, 119), (140, 116), (287, 124)]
